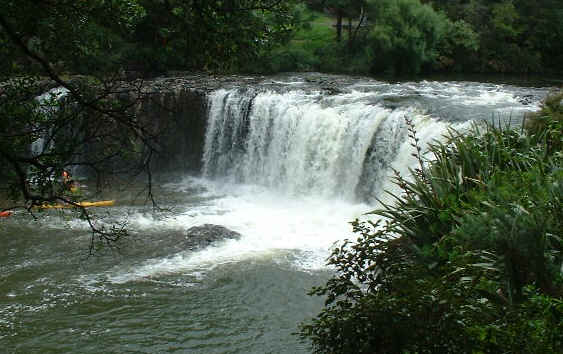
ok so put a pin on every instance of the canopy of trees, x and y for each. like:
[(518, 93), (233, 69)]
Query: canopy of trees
[(515, 35), (211, 35), (92, 36), (46, 44), (509, 36), (355, 36)]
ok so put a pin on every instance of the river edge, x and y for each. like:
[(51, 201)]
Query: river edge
[(127, 296)]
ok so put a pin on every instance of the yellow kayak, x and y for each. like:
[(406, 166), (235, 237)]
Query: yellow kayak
[(101, 203)]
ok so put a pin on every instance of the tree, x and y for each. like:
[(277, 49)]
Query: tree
[(342, 9), (514, 35), (458, 46), (211, 35), (46, 40), (46, 43), (542, 30), (405, 35)]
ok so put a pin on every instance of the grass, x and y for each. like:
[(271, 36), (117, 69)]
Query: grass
[(320, 28)]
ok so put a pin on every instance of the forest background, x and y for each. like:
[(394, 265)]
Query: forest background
[(338, 36), (477, 266)]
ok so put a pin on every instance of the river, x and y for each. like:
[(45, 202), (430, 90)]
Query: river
[(287, 164)]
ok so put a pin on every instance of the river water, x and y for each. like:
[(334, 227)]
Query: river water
[(288, 164)]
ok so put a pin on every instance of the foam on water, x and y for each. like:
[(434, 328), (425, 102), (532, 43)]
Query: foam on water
[(289, 171), (276, 226), (272, 225)]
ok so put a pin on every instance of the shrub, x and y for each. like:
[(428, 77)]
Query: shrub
[(547, 124), (405, 36), (467, 259)]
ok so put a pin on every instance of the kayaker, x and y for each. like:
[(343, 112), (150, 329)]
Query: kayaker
[(69, 184), (67, 180)]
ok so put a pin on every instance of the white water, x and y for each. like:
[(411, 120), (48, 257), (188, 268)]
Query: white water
[(293, 232), (47, 105), (340, 147), (289, 171)]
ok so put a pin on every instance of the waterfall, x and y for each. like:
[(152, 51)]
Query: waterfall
[(303, 143), (46, 106), (288, 166), (38, 147)]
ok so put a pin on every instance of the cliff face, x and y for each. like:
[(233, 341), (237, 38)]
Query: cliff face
[(178, 117), (176, 110)]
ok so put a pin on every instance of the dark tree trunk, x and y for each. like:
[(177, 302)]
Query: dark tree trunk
[(349, 30), (339, 15)]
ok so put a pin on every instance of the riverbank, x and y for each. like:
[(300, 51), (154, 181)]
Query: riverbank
[(244, 295), (470, 255)]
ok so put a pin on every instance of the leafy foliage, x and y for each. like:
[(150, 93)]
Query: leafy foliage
[(400, 37), (411, 36), (467, 259), (546, 123), (515, 35), (405, 35), (83, 36), (460, 42), (45, 44), (213, 35), (92, 37)]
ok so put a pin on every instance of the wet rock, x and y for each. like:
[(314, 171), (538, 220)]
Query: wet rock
[(202, 236), (525, 99), (331, 89), (393, 102)]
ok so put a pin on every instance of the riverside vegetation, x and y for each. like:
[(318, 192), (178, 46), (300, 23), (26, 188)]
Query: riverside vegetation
[(412, 36), (267, 36), (468, 259)]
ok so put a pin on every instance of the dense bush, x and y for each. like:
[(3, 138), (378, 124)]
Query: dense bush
[(546, 123), (466, 260), (514, 35), (402, 36), (412, 36), (312, 48), (405, 35)]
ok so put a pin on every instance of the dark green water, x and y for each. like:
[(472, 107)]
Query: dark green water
[(54, 300)]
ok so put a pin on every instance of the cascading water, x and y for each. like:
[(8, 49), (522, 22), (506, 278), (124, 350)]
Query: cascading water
[(341, 146), (44, 142), (287, 166)]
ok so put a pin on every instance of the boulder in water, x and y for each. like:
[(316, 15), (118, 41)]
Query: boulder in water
[(204, 235), (525, 99)]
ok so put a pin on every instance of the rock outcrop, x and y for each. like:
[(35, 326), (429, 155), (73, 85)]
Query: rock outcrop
[(199, 237)]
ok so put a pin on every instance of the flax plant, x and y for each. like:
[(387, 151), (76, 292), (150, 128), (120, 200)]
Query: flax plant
[(466, 258)]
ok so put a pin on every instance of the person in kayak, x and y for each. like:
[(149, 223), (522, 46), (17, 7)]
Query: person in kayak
[(69, 184)]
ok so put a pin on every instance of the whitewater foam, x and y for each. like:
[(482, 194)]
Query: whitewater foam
[(271, 224), (290, 170)]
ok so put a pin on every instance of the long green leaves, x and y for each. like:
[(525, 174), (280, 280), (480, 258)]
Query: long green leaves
[(466, 258)]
